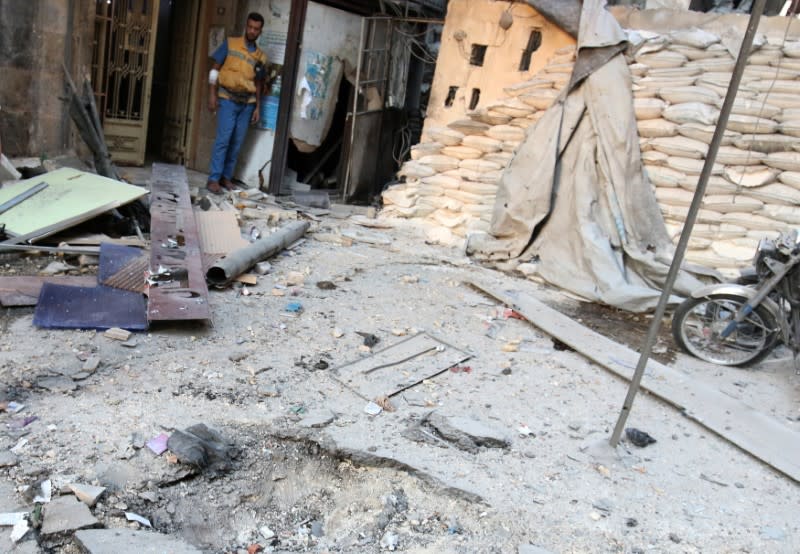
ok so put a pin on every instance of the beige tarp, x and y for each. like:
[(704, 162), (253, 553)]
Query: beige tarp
[(574, 198)]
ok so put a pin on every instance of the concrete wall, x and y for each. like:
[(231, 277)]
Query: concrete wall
[(33, 45), (476, 22)]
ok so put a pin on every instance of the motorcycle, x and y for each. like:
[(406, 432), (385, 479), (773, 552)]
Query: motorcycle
[(740, 323)]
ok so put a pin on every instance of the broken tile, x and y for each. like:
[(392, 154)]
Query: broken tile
[(102, 541), (88, 494), (65, 514)]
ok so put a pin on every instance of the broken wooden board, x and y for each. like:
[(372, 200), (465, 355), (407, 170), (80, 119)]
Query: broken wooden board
[(219, 232), (71, 197), (754, 432), (24, 290), (400, 366)]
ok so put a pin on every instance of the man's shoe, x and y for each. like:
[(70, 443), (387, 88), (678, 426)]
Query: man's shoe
[(227, 183), (213, 187)]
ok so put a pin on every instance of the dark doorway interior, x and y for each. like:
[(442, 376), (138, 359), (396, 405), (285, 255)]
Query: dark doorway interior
[(160, 87)]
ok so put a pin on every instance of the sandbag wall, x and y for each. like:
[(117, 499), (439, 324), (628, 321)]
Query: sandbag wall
[(679, 82), (452, 177)]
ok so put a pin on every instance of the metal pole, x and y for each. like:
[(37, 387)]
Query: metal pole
[(722, 123)]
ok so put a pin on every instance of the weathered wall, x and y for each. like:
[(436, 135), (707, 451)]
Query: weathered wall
[(33, 45), (471, 22)]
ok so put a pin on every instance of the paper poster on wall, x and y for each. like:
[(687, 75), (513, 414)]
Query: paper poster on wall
[(216, 36), (314, 84), (273, 43)]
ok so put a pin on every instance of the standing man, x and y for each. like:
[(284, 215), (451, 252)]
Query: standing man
[(235, 82)]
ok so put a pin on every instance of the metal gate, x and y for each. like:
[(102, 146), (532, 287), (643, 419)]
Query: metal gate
[(122, 68), (181, 93)]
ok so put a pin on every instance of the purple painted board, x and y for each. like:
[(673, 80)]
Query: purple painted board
[(114, 257), (65, 307)]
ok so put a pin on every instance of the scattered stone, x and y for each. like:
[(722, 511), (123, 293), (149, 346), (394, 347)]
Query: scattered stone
[(119, 476), (372, 409), (266, 532), (91, 364), (295, 278), (57, 384), (8, 459), (53, 268), (506, 371), (66, 514), (317, 419), (130, 516), (103, 541), (639, 438), (390, 541), (268, 390), (262, 268), (674, 538), (468, 434), (326, 285), (116, 333), (238, 355), (150, 496), (631, 522), (137, 441), (88, 494), (130, 343), (202, 447), (337, 333), (603, 505), (317, 529), (81, 376), (575, 426)]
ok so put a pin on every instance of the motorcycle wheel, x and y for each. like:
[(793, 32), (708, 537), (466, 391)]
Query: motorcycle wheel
[(697, 323)]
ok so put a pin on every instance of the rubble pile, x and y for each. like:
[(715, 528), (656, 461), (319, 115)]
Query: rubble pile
[(452, 177), (679, 82)]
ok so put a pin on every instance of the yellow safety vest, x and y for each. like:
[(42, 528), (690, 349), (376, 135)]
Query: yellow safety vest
[(237, 75)]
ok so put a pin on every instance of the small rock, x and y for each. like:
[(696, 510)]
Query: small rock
[(238, 355), (8, 459), (81, 376), (150, 496), (91, 364), (317, 529), (57, 384), (262, 268), (390, 541), (326, 285), (88, 494), (674, 538), (137, 441), (295, 278), (266, 532), (604, 505), (337, 333), (317, 419), (268, 390), (738, 485), (506, 371), (631, 522), (54, 268)]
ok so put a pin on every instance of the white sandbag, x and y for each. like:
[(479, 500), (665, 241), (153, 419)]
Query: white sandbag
[(638, 69), (445, 182), (790, 128), (766, 77), (663, 176), (449, 218), (776, 193), (469, 127), (481, 189), (569, 49), (528, 86), (751, 124), (511, 146), (674, 72), (653, 128), (557, 59), (648, 108), (788, 161), (788, 114), (770, 85), (639, 92), (413, 169), (708, 258), (727, 203), (764, 142), (425, 149), (500, 158), (752, 106), (535, 116), (715, 185), (791, 49), (478, 209), (506, 132), (559, 80), (447, 137), (439, 162), (658, 84), (462, 152), (733, 250), (678, 213), (481, 165), (704, 133), (482, 143), (558, 68), (696, 53), (758, 235), (694, 38), (716, 65), (691, 166), (451, 173), (780, 99), (644, 144), (654, 158), (541, 99), (470, 198), (730, 155), (484, 116), (691, 112), (765, 57), (791, 178), (673, 196), (787, 214), (662, 58), (681, 95), (521, 122), (750, 176), (425, 190), (513, 107), (753, 221), (680, 146), (398, 197)]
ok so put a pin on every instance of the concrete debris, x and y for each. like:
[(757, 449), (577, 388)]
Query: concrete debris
[(66, 514), (8, 459), (202, 447), (316, 419), (532, 549), (116, 333), (130, 516), (54, 268), (88, 494), (57, 384), (108, 541), (7, 171), (467, 433), (91, 364)]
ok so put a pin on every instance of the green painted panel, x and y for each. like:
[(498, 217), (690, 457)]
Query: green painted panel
[(70, 194)]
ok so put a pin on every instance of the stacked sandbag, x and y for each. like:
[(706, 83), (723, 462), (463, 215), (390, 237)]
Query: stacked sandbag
[(679, 83), (452, 177)]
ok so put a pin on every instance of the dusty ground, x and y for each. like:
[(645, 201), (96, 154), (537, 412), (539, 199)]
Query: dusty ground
[(358, 483)]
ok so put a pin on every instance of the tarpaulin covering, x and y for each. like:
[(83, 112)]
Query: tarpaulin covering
[(574, 198)]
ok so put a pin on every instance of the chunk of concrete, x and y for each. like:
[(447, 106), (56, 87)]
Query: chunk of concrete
[(319, 418), (7, 458), (88, 494), (7, 171), (66, 514), (113, 541), (532, 549), (467, 433)]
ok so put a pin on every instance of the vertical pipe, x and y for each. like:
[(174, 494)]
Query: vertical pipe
[(722, 123)]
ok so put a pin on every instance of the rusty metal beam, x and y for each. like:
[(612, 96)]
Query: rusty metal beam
[(175, 247)]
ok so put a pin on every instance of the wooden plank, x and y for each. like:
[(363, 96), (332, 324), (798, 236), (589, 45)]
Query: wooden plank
[(20, 291), (754, 432)]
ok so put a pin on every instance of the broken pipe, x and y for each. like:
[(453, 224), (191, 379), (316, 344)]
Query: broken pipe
[(236, 263)]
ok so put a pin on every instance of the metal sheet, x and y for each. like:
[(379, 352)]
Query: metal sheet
[(400, 366), (72, 196), (174, 245), (131, 276), (99, 307)]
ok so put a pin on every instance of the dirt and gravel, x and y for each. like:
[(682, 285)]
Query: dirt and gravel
[(311, 471)]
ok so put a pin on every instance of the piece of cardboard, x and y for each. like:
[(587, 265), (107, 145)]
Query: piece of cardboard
[(219, 232)]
